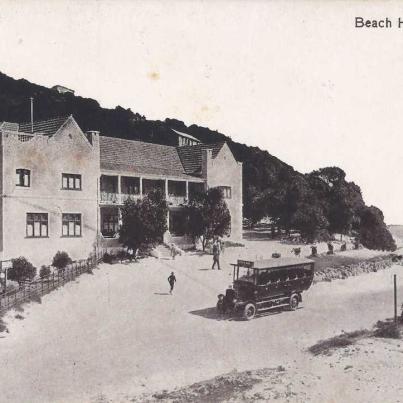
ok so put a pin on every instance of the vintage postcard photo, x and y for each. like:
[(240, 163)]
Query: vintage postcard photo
[(201, 201)]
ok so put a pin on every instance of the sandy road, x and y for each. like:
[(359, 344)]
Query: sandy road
[(119, 332)]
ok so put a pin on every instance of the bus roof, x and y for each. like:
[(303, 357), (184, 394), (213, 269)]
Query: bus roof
[(273, 263)]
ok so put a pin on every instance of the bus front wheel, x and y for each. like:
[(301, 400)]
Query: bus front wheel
[(249, 311)]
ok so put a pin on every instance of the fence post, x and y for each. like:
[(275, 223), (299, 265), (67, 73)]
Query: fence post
[(395, 296)]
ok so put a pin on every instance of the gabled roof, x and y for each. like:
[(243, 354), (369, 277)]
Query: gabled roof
[(12, 127), (191, 156), (140, 157), (46, 127), (186, 135)]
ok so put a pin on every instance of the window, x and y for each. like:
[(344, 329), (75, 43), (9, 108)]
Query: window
[(37, 225), (23, 177), (71, 225), (71, 181), (110, 224), (226, 191)]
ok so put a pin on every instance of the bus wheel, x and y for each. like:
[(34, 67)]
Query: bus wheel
[(294, 301), (249, 311)]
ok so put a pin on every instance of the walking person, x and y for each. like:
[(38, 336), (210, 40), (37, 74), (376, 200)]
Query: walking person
[(171, 281), (216, 254)]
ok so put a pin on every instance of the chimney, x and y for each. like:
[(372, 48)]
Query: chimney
[(91, 135)]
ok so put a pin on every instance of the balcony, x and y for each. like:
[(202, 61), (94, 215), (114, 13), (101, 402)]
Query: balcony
[(108, 198), (176, 200), (127, 196), (116, 189)]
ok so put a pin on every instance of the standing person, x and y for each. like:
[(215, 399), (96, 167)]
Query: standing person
[(171, 281), (130, 252), (173, 251), (216, 254), (222, 245)]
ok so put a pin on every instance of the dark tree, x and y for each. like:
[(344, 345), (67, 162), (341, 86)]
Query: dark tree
[(61, 260), (44, 271), (374, 234), (144, 221), (207, 216), (21, 270)]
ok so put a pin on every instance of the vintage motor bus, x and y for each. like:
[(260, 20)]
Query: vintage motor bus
[(266, 284)]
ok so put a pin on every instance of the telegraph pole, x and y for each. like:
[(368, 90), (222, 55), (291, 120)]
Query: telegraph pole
[(395, 296), (32, 114)]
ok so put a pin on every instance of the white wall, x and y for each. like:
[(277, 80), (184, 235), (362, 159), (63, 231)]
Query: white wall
[(47, 158)]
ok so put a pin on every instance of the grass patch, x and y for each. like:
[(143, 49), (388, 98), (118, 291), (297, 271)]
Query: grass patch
[(326, 261), (218, 389), (326, 347), (387, 329)]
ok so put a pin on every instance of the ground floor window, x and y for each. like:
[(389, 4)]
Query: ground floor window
[(109, 222), (37, 225), (71, 225)]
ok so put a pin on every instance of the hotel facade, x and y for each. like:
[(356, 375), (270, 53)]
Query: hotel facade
[(63, 189)]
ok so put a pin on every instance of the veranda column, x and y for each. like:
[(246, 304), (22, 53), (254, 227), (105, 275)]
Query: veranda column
[(166, 189), (187, 190), (141, 187), (119, 189)]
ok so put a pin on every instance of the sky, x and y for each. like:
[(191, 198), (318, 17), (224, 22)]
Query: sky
[(297, 79)]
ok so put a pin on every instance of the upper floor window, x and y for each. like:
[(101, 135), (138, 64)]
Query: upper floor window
[(71, 225), (23, 177), (37, 225), (226, 191), (71, 181)]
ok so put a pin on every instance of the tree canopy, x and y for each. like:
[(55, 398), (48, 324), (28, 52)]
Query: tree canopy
[(207, 216), (144, 221)]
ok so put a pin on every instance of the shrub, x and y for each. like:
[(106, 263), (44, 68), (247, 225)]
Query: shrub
[(61, 260), (44, 272), (387, 330), (108, 258), (21, 270)]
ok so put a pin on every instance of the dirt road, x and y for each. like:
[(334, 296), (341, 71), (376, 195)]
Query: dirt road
[(119, 333)]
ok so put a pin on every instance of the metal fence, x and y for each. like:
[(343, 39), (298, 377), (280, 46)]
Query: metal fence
[(35, 289)]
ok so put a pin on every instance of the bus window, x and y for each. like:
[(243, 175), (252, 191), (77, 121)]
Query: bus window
[(308, 270), (246, 274), (283, 275), (263, 277)]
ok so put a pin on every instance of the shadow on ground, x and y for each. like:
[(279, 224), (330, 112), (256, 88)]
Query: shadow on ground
[(211, 313)]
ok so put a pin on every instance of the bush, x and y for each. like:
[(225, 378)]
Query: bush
[(61, 260), (108, 258), (44, 272), (387, 330), (21, 270)]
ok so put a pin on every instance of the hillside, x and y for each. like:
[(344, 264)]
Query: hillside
[(321, 202)]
